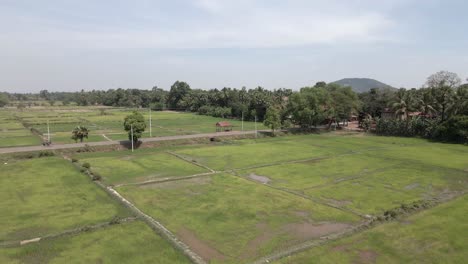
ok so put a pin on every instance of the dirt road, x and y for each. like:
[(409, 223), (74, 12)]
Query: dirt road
[(107, 143)]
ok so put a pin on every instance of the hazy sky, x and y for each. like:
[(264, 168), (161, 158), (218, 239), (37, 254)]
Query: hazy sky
[(68, 45)]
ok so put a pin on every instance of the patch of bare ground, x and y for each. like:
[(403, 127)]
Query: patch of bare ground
[(262, 179), (177, 184), (305, 231), (202, 248), (265, 235), (367, 256)]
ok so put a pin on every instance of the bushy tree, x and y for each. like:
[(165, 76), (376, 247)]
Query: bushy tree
[(177, 93), (272, 119), (3, 99), (137, 122)]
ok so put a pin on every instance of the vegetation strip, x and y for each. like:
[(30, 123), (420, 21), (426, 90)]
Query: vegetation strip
[(74, 231), (168, 179), (390, 215), (190, 161)]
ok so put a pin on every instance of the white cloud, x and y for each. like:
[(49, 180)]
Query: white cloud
[(226, 24)]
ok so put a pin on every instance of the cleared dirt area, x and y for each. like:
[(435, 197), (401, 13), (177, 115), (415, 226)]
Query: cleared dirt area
[(367, 256), (201, 247)]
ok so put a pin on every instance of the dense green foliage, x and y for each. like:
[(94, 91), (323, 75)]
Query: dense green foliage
[(79, 133), (135, 125), (441, 107), (441, 98)]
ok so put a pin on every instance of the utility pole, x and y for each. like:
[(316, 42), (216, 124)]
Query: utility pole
[(151, 133), (242, 121), (131, 129), (48, 132), (255, 126)]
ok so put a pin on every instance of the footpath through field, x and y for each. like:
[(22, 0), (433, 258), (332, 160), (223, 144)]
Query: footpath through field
[(115, 142)]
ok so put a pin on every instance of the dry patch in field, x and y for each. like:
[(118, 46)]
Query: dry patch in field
[(202, 248), (367, 256)]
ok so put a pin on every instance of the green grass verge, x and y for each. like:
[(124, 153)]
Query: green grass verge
[(125, 243), (48, 195)]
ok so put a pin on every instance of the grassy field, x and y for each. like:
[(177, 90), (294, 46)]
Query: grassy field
[(102, 123), (272, 193), (256, 197), (125, 167), (124, 243), (230, 219), (13, 133), (48, 195), (438, 235)]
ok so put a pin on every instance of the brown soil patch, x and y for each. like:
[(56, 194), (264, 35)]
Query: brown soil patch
[(367, 256), (265, 235), (199, 246), (306, 231), (262, 179)]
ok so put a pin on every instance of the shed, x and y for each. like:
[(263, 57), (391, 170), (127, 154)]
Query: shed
[(223, 126)]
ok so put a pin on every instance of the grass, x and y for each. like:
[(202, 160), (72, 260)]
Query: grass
[(125, 243), (48, 195), (127, 167), (229, 214), (62, 120), (234, 215), (438, 235)]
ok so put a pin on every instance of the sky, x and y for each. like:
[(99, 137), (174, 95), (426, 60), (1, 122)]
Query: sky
[(69, 45)]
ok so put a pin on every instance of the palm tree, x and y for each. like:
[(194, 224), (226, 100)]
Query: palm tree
[(401, 107), (80, 132), (425, 103), (404, 105)]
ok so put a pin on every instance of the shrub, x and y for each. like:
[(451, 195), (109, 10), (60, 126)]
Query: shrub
[(86, 165), (45, 153), (454, 129), (96, 176), (74, 160)]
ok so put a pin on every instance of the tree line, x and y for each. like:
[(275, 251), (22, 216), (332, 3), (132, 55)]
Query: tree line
[(441, 102)]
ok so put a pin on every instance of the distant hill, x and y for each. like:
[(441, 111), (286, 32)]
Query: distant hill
[(360, 85)]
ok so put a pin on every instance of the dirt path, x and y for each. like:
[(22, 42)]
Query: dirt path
[(104, 136), (107, 143)]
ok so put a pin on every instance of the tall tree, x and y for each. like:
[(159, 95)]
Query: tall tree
[(135, 121), (443, 85), (272, 119), (177, 92)]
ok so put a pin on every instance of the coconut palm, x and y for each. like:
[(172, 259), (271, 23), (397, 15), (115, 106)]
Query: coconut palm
[(80, 132), (425, 103)]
